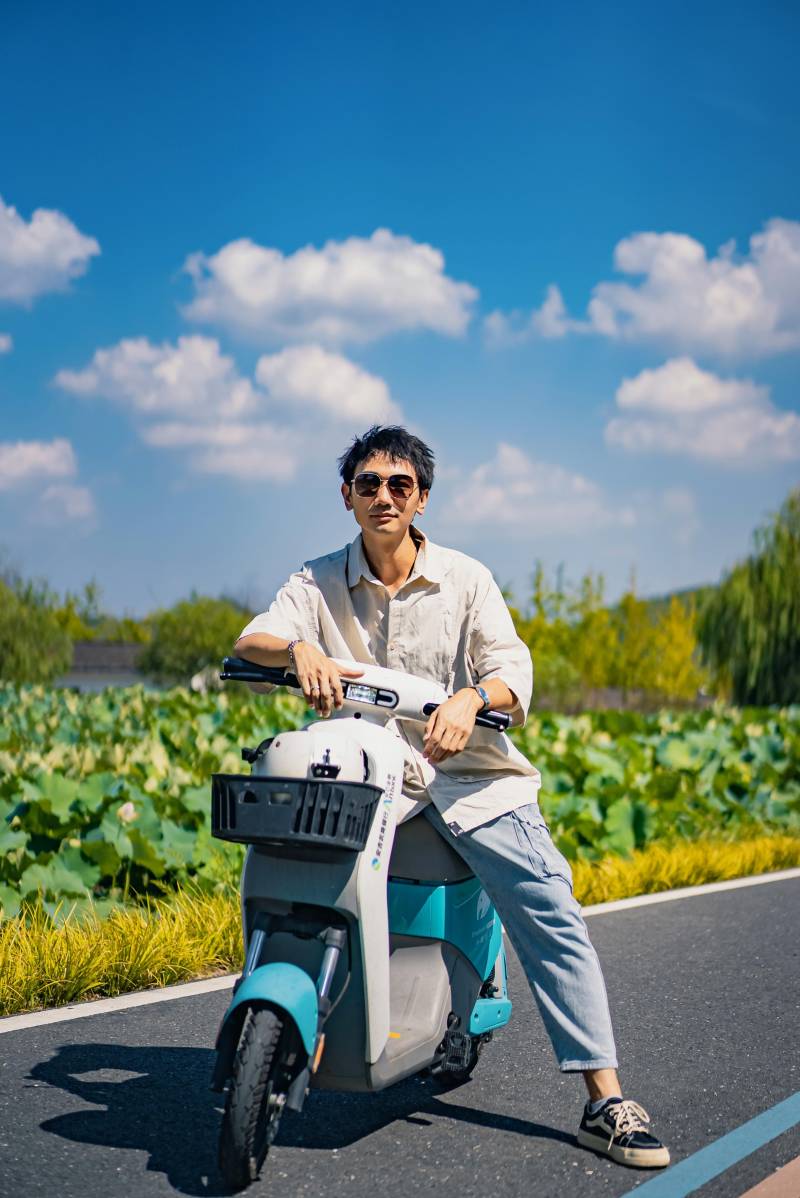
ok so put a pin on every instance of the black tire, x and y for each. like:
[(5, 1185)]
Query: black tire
[(257, 1092)]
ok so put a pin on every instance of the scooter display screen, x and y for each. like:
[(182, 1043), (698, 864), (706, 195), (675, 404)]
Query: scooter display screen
[(361, 693)]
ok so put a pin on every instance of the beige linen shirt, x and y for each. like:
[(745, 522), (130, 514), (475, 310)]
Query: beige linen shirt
[(448, 622)]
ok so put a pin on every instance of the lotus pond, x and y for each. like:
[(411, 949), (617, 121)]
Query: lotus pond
[(105, 797)]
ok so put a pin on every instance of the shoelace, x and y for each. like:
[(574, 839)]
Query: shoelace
[(628, 1116)]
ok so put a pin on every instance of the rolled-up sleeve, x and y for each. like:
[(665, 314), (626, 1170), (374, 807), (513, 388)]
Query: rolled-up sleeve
[(293, 612), (497, 651)]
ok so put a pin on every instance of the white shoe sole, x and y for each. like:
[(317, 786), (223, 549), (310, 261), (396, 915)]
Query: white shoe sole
[(644, 1158)]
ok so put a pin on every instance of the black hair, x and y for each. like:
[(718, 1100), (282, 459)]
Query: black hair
[(398, 444)]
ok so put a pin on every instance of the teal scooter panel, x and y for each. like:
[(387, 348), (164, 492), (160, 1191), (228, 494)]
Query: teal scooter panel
[(489, 1014), (284, 986), (459, 912)]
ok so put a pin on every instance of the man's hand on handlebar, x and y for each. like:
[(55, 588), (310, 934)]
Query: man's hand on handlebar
[(320, 678), (450, 726)]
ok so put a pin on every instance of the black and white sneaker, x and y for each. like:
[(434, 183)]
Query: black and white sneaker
[(618, 1129)]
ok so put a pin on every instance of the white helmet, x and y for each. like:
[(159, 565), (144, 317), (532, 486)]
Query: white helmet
[(314, 753)]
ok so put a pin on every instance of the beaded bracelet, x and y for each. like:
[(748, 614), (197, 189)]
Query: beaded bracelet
[(292, 662)]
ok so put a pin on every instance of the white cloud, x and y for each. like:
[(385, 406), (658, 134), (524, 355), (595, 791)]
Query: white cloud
[(550, 321), (23, 461), (65, 501), (247, 451), (679, 387), (310, 377), (6, 343), (726, 304), (191, 378), (513, 493), (40, 255), (190, 396), (26, 465), (679, 408), (355, 290)]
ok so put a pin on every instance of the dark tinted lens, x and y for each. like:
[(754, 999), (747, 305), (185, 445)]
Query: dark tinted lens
[(366, 484), (401, 486)]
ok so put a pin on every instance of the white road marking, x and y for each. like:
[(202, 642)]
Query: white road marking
[(103, 1006), (667, 896), (143, 998)]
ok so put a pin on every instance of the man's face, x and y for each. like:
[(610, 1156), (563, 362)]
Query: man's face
[(385, 514)]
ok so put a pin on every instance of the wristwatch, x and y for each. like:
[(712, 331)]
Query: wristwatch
[(487, 703)]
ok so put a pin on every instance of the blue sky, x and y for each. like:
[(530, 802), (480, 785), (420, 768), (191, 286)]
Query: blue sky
[(197, 313)]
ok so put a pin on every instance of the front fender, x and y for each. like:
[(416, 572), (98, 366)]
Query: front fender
[(280, 985)]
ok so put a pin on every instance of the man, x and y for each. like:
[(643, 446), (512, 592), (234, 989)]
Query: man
[(395, 599)]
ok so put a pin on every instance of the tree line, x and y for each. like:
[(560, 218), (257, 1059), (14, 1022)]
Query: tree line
[(739, 640)]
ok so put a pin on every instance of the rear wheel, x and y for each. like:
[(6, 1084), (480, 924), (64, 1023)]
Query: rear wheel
[(262, 1074)]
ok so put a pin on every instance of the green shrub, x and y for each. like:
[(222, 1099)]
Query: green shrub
[(580, 644), (195, 633), (33, 646)]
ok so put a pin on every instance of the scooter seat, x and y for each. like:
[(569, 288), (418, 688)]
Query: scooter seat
[(420, 854)]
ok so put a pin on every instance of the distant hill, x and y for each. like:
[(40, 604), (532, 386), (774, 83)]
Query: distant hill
[(688, 595)]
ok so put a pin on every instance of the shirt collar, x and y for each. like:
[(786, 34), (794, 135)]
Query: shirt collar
[(428, 564)]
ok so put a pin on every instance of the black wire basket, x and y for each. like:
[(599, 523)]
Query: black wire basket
[(249, 809)]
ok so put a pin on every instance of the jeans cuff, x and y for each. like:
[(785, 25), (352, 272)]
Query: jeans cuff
[(597, 1063)]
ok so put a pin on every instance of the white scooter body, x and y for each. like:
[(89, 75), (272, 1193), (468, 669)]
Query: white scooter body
[(398, 996), (357, 887)]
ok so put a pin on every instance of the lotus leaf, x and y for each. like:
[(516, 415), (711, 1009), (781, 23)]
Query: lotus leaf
[(70, 763)]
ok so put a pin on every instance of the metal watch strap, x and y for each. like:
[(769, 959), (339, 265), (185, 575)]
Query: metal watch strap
[(487, 703)]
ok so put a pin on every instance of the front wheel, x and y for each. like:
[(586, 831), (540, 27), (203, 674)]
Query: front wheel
[(262, 1074)]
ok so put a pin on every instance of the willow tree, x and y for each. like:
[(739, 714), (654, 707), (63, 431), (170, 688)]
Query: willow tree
[(33, 647), (749, 628)]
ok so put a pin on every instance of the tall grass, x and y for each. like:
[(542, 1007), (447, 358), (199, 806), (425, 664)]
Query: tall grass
[(44, 964), (690, 863), (191, 935)]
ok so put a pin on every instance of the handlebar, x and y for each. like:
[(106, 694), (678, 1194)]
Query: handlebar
[(497, 720), (239, 670)]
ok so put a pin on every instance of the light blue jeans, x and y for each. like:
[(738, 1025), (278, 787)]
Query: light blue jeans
[(530, 883)]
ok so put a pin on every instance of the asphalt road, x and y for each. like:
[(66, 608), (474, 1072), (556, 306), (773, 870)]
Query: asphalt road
[(705, 1002)]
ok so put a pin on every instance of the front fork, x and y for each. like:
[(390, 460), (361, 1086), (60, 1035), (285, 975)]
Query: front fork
[(334, 940)]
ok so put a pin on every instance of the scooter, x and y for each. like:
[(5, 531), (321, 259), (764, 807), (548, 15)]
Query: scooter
[(372, 951)]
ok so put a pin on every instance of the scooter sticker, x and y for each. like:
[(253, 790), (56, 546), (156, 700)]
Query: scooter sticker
[(388, 800), (484, 904), (376, 860)]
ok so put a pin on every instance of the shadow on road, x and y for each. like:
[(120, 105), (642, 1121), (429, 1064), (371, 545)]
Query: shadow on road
[(336, 1120), (163, 1106), (165, 1109)]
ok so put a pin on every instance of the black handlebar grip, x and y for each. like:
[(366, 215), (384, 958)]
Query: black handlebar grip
[(239, 670), (497, 720)]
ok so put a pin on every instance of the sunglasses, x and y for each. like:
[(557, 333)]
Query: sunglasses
[(368, 484)]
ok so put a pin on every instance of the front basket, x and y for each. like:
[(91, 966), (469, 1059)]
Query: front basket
[(257, 810)]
